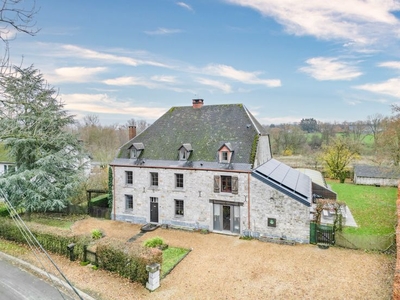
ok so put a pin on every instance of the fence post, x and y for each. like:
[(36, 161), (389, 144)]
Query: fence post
[(154, 276)]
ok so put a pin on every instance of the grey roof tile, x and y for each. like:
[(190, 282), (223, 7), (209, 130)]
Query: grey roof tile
[(205, 129)]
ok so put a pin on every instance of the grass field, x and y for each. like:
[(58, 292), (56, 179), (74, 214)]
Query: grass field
[(373, 208)]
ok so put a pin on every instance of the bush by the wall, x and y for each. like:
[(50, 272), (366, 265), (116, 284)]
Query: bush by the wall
[(128, 260), (153, 242)]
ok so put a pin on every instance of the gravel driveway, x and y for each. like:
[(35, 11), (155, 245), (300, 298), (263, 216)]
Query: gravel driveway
[(226, 267)]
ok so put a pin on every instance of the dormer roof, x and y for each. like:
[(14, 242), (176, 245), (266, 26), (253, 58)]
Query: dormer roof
[(205, 130)]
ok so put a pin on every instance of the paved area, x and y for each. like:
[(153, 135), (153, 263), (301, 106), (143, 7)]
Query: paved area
[(17, 284)]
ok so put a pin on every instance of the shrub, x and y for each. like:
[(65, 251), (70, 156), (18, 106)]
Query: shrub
[(52, 239), (154, 242), (128, 260), (97, 234)]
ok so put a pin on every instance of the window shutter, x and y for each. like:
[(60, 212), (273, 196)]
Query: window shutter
[(216, 184), (235, 185)]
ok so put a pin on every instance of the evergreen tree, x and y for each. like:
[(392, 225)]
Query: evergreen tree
[(48, 159)]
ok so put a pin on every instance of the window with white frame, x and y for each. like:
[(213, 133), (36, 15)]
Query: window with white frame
[(134, 153), (153, 179), (179, 181), (183, 154), (224, 156), (128, 177), (179, 208), (128, 202)]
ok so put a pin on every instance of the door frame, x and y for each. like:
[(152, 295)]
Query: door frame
[(154, 211)]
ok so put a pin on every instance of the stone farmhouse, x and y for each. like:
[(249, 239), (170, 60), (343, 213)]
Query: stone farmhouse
[(210, 167)]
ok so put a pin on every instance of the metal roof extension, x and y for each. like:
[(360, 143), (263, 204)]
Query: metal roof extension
[(287, 180)]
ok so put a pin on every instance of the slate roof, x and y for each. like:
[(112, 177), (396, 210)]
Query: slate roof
[(289, 181), (206, 129), (376, 172)]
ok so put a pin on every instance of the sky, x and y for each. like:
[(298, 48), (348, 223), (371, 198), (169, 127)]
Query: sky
[(285, 60)]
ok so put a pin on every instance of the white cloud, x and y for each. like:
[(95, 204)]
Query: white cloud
[(156, 82), (184, 5), (278, 120), (130, 80), (103, 104), (226, 88), (74, 74), (75, 51), (163, 31), (389, 87), (164, 78), (358, 21), (241, 76), (329, 68), (390, 64)]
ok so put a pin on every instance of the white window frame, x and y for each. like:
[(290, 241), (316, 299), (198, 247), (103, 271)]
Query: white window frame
[(128, 177), (179, 211), (179, 180), (129, 203)]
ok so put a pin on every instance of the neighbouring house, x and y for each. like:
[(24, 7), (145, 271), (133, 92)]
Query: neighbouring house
[(5, 162), (376, 175), (210, 167)]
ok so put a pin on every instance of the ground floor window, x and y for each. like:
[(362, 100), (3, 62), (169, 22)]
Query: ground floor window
[(179, 208), (129, 202), (226, 217)]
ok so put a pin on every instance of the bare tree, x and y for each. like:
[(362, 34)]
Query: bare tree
[(15, 16), (374, 123)]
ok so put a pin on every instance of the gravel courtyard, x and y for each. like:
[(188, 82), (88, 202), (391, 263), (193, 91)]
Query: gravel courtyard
[(226, 267)]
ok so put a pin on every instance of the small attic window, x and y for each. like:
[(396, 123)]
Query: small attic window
[(184, 151), (135, 150), (225, 153)]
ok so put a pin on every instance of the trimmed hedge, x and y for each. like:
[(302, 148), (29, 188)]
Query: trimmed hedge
[(52, 239), (127, 259)]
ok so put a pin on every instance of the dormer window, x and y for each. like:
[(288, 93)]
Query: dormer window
[(224, 156), (225, 153), (184, 151), (135, 150)]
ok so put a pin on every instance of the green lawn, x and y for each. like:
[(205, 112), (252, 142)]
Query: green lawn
[(373, 208), (171, 257)]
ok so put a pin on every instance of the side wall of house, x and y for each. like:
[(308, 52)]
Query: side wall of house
[(263, 151), (292, 218), (197, 194), (376, 181)]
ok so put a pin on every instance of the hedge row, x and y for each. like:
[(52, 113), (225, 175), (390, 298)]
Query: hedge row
[(127, 259), (52, 239)]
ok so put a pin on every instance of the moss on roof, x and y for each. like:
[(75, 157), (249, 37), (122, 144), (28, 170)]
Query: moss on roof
[(205, 128)]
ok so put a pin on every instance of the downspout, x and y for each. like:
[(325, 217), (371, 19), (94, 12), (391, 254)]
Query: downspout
[(248, 200), (114, 207)]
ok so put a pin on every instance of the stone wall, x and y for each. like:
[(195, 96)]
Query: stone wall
[(292, 217), (196, 194), (396, 282)]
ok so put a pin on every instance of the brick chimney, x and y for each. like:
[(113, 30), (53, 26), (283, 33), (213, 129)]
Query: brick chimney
[(132, 131), (197, 103)]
